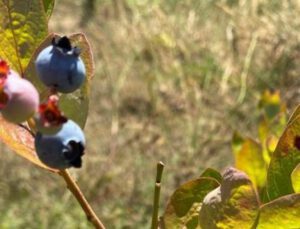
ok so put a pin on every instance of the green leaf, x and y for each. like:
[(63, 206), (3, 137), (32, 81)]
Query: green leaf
[(21, 141), (48, 6), (249, 158), (281, 213), (23, 25), (74, 105), (183, 207), (211, 173), (232, 205), (284, 160), (295, 176)]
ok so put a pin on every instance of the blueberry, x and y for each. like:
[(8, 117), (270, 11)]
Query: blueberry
[(19, 99), (60, 67), (63, 149)]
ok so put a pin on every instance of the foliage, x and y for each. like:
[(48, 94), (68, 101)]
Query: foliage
[(158, 89), (24, 29), (262, 193)]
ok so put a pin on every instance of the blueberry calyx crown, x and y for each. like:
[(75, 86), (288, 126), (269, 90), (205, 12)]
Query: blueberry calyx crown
[(73, 153), (50, 114), (4, 70), (64, 44)]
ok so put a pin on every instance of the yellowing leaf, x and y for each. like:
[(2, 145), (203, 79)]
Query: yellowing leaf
[(183, 207), (296, 178), (21, 141), (271, 104), (263, 130), (271, 143), (48, 6), (284, 160), (282, 213), (249, 158), (23, 25), (232, 205)]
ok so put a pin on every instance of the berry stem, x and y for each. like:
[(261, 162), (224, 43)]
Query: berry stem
[(159, 172), (75, 190), (27, 129)]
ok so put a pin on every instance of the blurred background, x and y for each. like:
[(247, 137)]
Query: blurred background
[(173, 80)]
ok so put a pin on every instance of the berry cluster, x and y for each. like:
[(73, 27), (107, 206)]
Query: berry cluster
[(59, 141)]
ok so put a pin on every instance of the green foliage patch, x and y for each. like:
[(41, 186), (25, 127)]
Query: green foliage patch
[(262, 191)]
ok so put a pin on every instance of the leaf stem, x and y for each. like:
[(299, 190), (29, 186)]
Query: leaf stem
[(159, 172), (74, 188)]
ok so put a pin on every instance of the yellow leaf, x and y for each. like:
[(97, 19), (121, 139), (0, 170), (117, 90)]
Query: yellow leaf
[(21, 141), (282, 213), (23, 25), (296, 178)]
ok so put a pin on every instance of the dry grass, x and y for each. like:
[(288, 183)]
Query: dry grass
[(173, 80)]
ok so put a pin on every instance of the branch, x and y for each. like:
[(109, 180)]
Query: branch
[(73, 187), (159, 171)]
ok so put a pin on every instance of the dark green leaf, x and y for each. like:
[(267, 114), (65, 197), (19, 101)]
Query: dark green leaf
[(211, 173)]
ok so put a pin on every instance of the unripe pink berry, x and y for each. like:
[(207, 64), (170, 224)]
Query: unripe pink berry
[(19, 99)]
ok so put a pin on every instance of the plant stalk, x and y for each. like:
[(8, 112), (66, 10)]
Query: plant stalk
[(75, 190), (159, 172)]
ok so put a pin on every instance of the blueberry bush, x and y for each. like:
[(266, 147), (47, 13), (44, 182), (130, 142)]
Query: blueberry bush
[(44, 99), (260, 192), (45, 81)]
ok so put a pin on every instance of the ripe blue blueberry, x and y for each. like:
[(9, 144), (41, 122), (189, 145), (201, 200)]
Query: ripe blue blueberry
[(60, 67), (63, 149)]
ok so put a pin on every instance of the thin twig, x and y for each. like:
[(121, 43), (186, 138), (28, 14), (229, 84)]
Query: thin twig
[(159, 172), (73, 187)]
